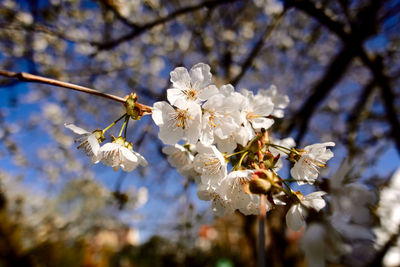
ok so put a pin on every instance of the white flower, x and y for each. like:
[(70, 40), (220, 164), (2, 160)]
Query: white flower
[(210, 163), (177, 123), (254, 112), (229, 144), (389, 214), (233, 185), (88, 141), (221, 205), (191, 87), (280, 101), (119, 153), (182, 159), (321, 243), (298, 212), (305, 170), (221, 118)]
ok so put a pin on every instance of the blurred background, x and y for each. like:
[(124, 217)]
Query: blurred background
[(337, 60)]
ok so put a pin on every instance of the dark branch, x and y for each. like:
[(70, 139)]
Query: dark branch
[(353, 41), (357, 115), (376, 67), (142, 28), (257, 48), (332, 76)]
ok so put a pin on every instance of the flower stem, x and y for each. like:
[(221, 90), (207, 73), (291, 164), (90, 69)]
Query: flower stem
[(261, 231), (239, 164), (112, 124), (280, 148), (123, 127), (126, 126), (236, 153)]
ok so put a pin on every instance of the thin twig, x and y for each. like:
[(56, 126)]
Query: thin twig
[(27, 77), (142, 28)]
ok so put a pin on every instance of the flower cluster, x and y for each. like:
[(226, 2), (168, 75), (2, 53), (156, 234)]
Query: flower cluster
[(220, 138), (117, 153)]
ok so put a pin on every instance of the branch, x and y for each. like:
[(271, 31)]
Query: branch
[(318, 13), (334, 73), (142, 28), (376, 67), (257, 48), (108, 4), (26, 77), (352, 46), (356, 115)]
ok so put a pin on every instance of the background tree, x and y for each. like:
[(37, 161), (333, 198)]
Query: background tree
[(337, 61)]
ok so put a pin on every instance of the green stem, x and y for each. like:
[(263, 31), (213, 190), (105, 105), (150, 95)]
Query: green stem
[(233, 154), (239, 164), (126, 126), (122, 128), (112, 124), (281, 147)]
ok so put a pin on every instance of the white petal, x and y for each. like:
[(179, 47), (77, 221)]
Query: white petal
[(314, 200), (180, 78), (142, 160), (94, 144), (260, 122), (159, 110), (227, 89), (170, 137), (294, 217), (200, 75), (208, 92), (76, 129), (175, 94)]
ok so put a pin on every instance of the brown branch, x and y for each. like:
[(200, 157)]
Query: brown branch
[(332, 76), (43, 29), (352, 46), (27, 77), (142, 28), (356, 115), (257, 48), (318, 13), (376, 67)]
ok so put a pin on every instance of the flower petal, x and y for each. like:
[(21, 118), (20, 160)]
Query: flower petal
[(76, 129), (180, 78), (294, 217)]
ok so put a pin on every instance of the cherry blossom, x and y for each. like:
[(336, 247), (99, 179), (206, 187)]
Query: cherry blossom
[(305, 170), (193, 86), (210, 163), (298, 212), (176, 123), (119, 153), (88, 141)]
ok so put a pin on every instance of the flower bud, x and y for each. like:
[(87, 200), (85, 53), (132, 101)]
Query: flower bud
[(259, 186), (99, 135), (131, 109)]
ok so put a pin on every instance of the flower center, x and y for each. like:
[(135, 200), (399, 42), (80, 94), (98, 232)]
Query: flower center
[(181, 118), (191, 94), (211, 164)]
